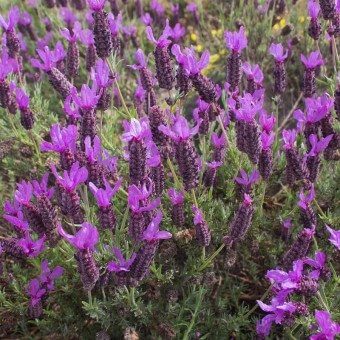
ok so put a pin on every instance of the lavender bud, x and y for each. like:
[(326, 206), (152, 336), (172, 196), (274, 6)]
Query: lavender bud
[(279, 77), (114, 7), (26, 118), (203, 234), (72, 60), (313, 164), (265, 164), (107, 218), (252, 141), (136, 225), (7, 99), (79, 5), (90, 58), (337, 100), (234, 65), (59, 82), (35, 311), (34, 218), (240, 128), (50, 3), (314, 28), (88, 125), (158, 179), (104, 102), (9, 247), (327, 9), (183, 83), (295, 165), (164, 68), (137, 161), (12, 43), (307, 216), (88, 270), (102, 34), (67, 158), (205, 87), (70, 205), (309, 85)]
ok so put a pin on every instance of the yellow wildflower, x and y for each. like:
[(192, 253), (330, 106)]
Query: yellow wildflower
[(199, 48), (214, 58), (193, 37), (283, 23), (276, 27), (214, 33), (302, 19)]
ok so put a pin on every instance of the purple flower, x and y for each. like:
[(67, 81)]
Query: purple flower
[(71, 178), (267, 140), (72, 110), (13, 19), (313, 60), (236, 41), (140, 60), (85, 238), (191, 7), (163, 40), (104, 196), (61, 139), (96, 5), (59, 52), (146, 19), (328, 329), (194, 66), (24, 192), (68, 16), (47, 57), (101, 74), (6, 66), (86, 37), (136, 130), (177, 32), (313, 9), (17, 220), (287, 223), (335, 237), (249, 106), (93, 150), (289, 138), (87, 99), (152, 232), (218, 141), (41, 188), (35, 291), (267, 122), (180, 130), (176, 197), (22, 98), (248, 180), (121, 265), (306, 199), (276, 50), (253, 72), (48, 276), (136, 196), (318, 264), (115, 23), (318, 146), (30, 247), (157, 7)]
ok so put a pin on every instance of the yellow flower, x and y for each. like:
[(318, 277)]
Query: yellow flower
[(283, 23), (222, 52), (276, 27), (199, 48), (214, 58), (214, 33), (193, 37), (219, 32), (302, 19)]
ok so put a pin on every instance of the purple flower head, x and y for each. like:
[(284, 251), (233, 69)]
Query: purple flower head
[(130, 31), (93, 152), (177, 32), (163, 40), (136, 130), (35, 292), (139, 94), (24, 192), (13, 19), (17, 220), (96, 5), (146, 19), (180, 130), (236, 41), (71, 109), (47, 57), (115, 24), (71, 178), (137, 195), (287, 223), (121, 265), (140, 60), (279, 309), (214, 164), (48, 276), (181, 58), (104, 196), (335, 237), (22, 98), (306, 199), (218, 141), (152, 232), (41, 188), (267, 140), (267, 122), (6, 66), (276, 50), (247, 200), (318, 263), (318, 108), (59, 52), (61, 139), (253, 72), (176, 197), (86, 37), (318, 146), (193, 66), (85, 238), (89, 18), (30, 247), (313, 9), (191, 7), (25, 19), (101, 74), (73, 36), (328, 329), (198, 215), (87, 99), (68, 16), (109, 161), (313, 60), (248, 180), (289, 138), (153, 155), (250, 105), (157, 7)]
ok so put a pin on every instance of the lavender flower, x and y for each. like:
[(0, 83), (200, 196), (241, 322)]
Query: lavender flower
[(311, 63), (31, 247), (136, 134), (254, 77), (201, 113), (328, 329), (101, 30), (106, 216), (10, 247), (12, 41), (68, 197), (219, 145), (68, 17), (265, 163), (48, 276), (162, 58), (7, 99), (146, 19), (156, 169), (308, 217), (314, 28), (177, 33), (63, 141), (209, 176), (139, 98), (327, 9), (25, 25), (335, 237), (177, 207), (277, 51), (203, 234), (319, 265), (26, 114), (236, 42), (84, 241), (36, 293), (286, 229), (185, 153), (115, 24), (87, 38)]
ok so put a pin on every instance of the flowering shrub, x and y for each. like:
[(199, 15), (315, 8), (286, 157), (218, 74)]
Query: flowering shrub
[(168, 172)]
